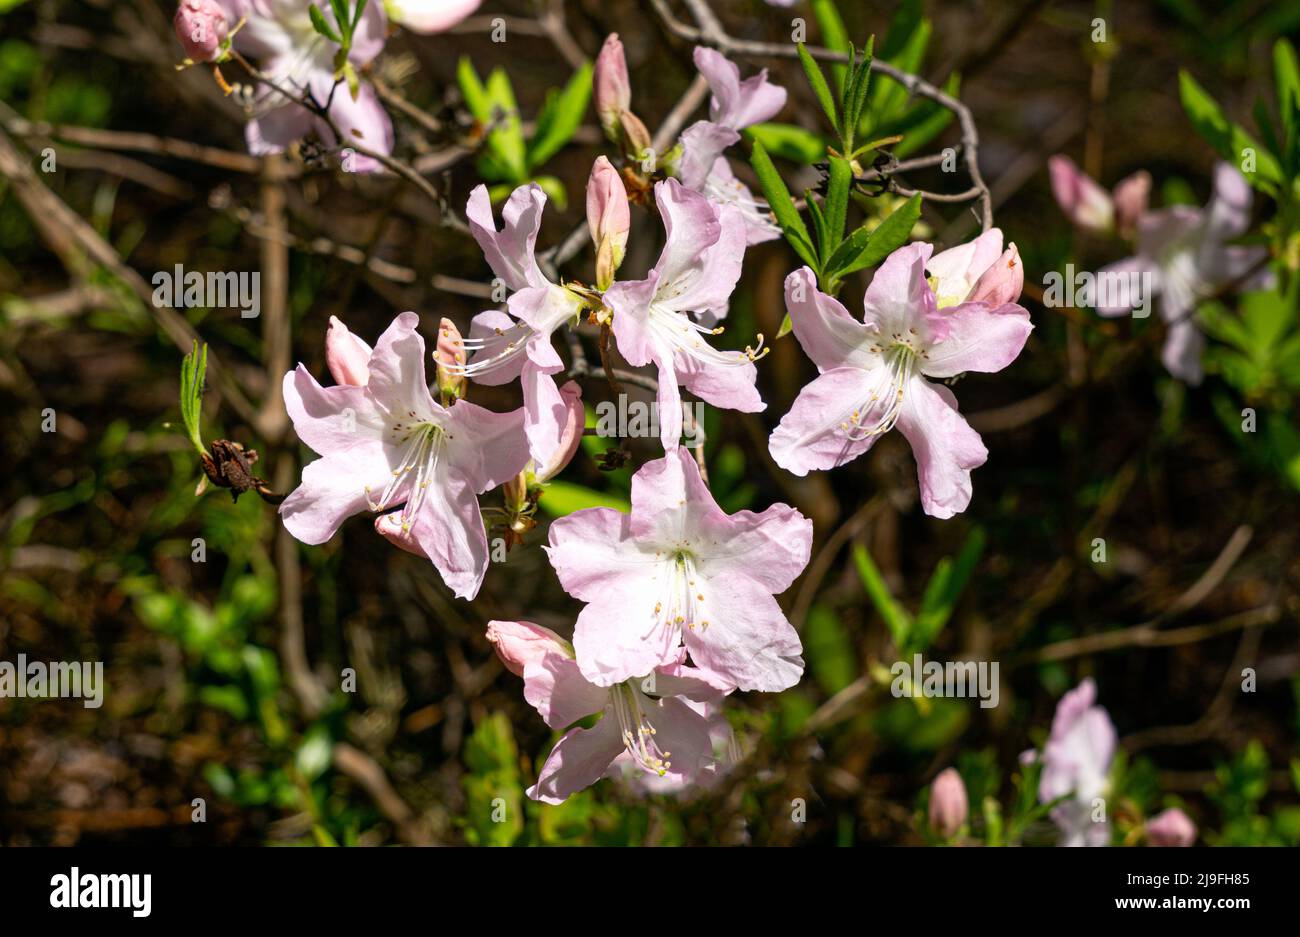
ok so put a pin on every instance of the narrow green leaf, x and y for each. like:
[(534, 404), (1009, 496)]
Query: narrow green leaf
[(834, 35), (789, 142), (821, 90), (855, 97), (341, 17), (471, 88), (888, 236), (356, 15), (507, 137), (895, 618), (194, 368), (560, 117), (1227, 139), (944, 590), (321, 25), (837, 204), (782, 205), (819, 225)]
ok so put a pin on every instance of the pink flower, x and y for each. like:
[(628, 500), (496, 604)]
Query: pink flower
[(679, 569), (1185, 256), (389, 444), (873, 374), (1076, 762), (647, 720), (734, 106), (1171, 828), (299, 60), (1085, 203), (948, 804), (201, 26), (696, 272), (609, 218), (519, 344), (1091, 207), (346, 355), (429, 16)]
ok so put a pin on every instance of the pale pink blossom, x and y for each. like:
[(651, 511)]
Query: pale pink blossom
[(429, 16), (677, 569), (648, 721), (389, 444), (1092, 208), (874, 373), (1183, 256), (575, 420), (611, 87), (696, 273), (1171, 828), (505, 346), (948, 803), (201, 26), (280, 35), (734, 105), (1076, 764)]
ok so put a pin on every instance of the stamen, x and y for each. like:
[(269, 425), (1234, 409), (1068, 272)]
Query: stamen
[(637, 732)]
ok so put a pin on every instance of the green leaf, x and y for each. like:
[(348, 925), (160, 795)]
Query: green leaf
[(562, 498), (834, 35), (829, 652), (1286, 72), (560, 117), (944, 589), (855, 95), (821, 90), (471, 88), (819, 224), (1229, 140), (888, 236), (782, 205), (321, 25), (194, 369), (896, 619), (507, 137), (789, 142), (837, 204), (904, 46), (356, 15)]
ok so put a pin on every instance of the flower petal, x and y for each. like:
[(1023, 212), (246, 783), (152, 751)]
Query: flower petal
[(332, 490), (813, 435), (742, 636), (555, 687), (449, 529), (828, 334), (980, 338), (509, 252), (772, 547), (578, 760), (945, 447)]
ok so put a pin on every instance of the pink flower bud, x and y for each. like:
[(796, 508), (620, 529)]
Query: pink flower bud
[(1171, 828), (1131, 197), (519, 643), (389, 526), (575, 420), (613, 91), (948, 805), (609, 219), (201, 27), (346, 356), (1002, 282), (1085, 203), (450, 356)]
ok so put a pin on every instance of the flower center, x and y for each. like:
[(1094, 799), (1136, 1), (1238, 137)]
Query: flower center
[(877, 413), (679, 607), (422, 444), (492, 351), (638, 734), (683, 334)]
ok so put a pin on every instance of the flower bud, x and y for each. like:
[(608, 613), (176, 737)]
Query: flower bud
[(515, 493), (519, 643), (389, 526), (609, 219), (201, 27), (1084, 202), (1171, 828), (948, 805), (575, 420), (1002, 282), (346, 356), (450, 356), (1131, 197), (613, 91)]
